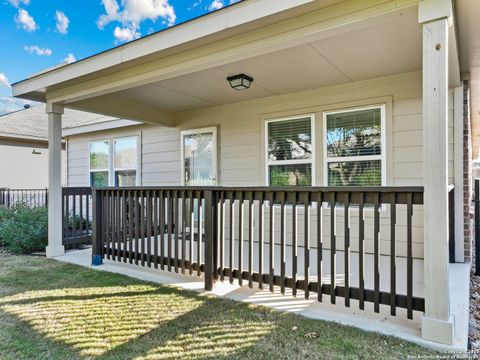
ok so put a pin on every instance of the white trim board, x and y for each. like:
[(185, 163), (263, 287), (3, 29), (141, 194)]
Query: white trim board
[(106, 125)]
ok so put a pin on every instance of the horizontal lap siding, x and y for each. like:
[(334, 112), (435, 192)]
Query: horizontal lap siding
[(160, 156), (78, 161)]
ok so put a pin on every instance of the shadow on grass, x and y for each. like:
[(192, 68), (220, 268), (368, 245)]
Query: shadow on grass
[(137, 321)]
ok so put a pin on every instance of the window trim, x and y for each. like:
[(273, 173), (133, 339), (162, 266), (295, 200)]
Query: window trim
[(382, 157), (213, 130), (111, 158), (107, 169), (311, 161)]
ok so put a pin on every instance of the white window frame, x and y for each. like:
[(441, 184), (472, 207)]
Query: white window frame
[(213, 130), (382, 157), (111, 159), (311, 161), (137, 167), (108, 169)]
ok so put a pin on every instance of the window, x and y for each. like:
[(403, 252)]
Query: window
[(113, 162), (99, 163), (125, 166), (289, 150), (354, 147)]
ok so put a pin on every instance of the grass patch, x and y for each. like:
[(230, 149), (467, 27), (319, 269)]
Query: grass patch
[(52, 310)]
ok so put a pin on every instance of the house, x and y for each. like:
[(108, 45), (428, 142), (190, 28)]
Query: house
[(322, 146), (24, 143)]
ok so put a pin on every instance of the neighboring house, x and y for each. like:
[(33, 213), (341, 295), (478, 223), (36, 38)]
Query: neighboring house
[(370, 94), (24, 143)]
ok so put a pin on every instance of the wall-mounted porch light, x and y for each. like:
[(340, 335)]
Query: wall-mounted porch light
[(240, 82)]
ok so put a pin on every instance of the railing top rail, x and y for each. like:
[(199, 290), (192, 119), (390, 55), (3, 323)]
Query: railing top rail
[(313, 189), (10, 189), (77, 191)]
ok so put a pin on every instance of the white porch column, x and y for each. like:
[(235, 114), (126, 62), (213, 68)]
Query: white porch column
[(437, 323), (55, 247)]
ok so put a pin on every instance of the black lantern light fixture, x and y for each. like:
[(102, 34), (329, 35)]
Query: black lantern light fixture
[(240, 82)]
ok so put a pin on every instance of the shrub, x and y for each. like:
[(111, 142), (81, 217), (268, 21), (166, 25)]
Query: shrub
[(24, 229)]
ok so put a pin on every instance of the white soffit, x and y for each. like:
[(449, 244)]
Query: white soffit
[(383, 49)]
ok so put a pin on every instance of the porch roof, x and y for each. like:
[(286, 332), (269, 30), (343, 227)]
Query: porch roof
[(286, 46)]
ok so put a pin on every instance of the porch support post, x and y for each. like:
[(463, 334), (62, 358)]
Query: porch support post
[(55, 247), (437, 322)]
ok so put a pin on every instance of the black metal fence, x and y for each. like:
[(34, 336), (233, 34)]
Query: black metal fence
[(26, 197), (324, 241)]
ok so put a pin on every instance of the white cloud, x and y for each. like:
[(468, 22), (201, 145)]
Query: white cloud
[(125, 34), (132, 12), (62, 22), (4, 80), (17, 3), (69, 59), (25, 21), (215, 5), (37, 50), (9, 104)]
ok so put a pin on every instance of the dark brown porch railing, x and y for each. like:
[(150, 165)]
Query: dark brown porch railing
[(302, 239), (77, 216)]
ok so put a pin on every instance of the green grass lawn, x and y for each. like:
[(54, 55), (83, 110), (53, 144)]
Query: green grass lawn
[(52, 310)]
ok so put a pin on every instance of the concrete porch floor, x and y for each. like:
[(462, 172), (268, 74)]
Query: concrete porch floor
[(367, 319)]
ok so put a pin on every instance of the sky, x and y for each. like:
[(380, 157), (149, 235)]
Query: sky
[(39, 34)]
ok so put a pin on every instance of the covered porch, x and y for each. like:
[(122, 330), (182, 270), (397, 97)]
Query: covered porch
[(383, 248)]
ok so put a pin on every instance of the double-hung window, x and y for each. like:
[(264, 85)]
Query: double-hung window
[(354, 147), (114, 162), (99, 163), (125, 165), (289, 151)]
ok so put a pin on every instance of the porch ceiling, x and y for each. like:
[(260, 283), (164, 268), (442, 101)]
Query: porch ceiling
[(385, 48)]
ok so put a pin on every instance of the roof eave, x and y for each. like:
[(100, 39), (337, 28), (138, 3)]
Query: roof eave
[(214, 24)]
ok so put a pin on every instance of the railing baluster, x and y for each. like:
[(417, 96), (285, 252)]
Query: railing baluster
[(162, 230), (332, 248), (200, 231), (319, 245), (222, 235), (251, 234), (232, 235), (175, 229), (184, 229), (142, 227), (137, 224), (118, 224), (74, 221), (192, 231), (409, 257), (130, 226), (124, 224), (294, 244), (306, 243), (149, 228), (169, 230), (272, 240), (346, 250), (261, 209), (361, 253), (283, 246), (155, 229), (240, 238), (393, 270), (376, 230)]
